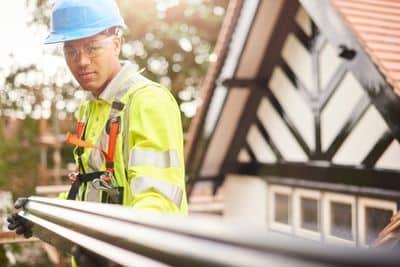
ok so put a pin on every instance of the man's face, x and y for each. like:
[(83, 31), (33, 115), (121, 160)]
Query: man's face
[(93, 61)]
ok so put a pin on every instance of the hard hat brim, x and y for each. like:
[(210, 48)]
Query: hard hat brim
[(54, 38)]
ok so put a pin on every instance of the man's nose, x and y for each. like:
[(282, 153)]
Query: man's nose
[(82, 58)]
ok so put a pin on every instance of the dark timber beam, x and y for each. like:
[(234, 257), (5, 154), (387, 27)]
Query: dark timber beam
[(324, 172)]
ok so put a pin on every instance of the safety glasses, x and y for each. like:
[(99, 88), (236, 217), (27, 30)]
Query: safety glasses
[(91, 50)]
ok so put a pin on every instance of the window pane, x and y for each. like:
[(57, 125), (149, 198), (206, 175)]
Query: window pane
[(376, 220), (309, 214), (341, 220), (282, 208)]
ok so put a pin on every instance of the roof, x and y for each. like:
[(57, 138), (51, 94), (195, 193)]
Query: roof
[(247, 52), (376, 23)]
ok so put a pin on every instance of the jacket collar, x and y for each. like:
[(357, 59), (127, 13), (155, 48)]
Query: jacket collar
[(114, 86)]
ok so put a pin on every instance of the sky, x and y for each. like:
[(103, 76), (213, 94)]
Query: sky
[(17, 38), (23, 41), (26, 44)]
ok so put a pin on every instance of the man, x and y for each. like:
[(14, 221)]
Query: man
[(129, 145)]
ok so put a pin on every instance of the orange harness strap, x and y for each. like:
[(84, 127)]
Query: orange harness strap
[(74, 140), (80, 126), (112, 140)]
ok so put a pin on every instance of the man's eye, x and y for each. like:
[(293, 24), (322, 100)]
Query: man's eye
[(69, 51), (94, 48)]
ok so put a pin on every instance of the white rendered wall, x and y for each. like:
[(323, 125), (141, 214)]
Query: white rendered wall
[(245, 199)]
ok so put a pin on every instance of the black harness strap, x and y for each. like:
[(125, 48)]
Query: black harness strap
[(81, 178)]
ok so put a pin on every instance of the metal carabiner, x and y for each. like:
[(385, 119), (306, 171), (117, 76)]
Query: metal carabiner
[(101, 185)]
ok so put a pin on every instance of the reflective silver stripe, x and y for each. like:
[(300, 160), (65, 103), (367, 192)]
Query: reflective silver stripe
[(96, 158), (85, 113), (160, 159), (171, 191)]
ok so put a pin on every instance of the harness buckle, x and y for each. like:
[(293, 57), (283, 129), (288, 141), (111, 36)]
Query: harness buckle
[(72, 176), (107, 177), (111, 120)]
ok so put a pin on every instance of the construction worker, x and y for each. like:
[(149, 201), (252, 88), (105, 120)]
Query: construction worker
[(128, 142)]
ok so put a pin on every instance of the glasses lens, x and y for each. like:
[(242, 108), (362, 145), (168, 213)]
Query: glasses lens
[(70, 52), (91, 50)]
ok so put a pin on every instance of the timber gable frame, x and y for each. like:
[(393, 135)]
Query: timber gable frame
[(216, 149)]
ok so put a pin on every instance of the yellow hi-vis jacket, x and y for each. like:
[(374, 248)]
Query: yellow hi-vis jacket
[(148, 159)]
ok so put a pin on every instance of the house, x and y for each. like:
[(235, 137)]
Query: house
[(300, 122)]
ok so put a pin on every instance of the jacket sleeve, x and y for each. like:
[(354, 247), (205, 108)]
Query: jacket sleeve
[(155, 166)]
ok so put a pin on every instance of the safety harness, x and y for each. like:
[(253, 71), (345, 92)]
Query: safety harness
[(101, 180)]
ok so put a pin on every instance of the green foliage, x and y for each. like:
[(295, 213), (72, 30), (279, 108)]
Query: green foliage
[(3, 258), (19, 158), (40, 11), (27, 255)]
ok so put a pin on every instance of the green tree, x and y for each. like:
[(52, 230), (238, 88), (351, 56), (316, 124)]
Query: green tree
[(18, 156)]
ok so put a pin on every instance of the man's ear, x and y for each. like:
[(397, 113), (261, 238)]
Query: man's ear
[(117, 42)]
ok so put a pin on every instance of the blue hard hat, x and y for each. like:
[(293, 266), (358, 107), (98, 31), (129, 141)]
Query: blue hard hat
[(77, 19)]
